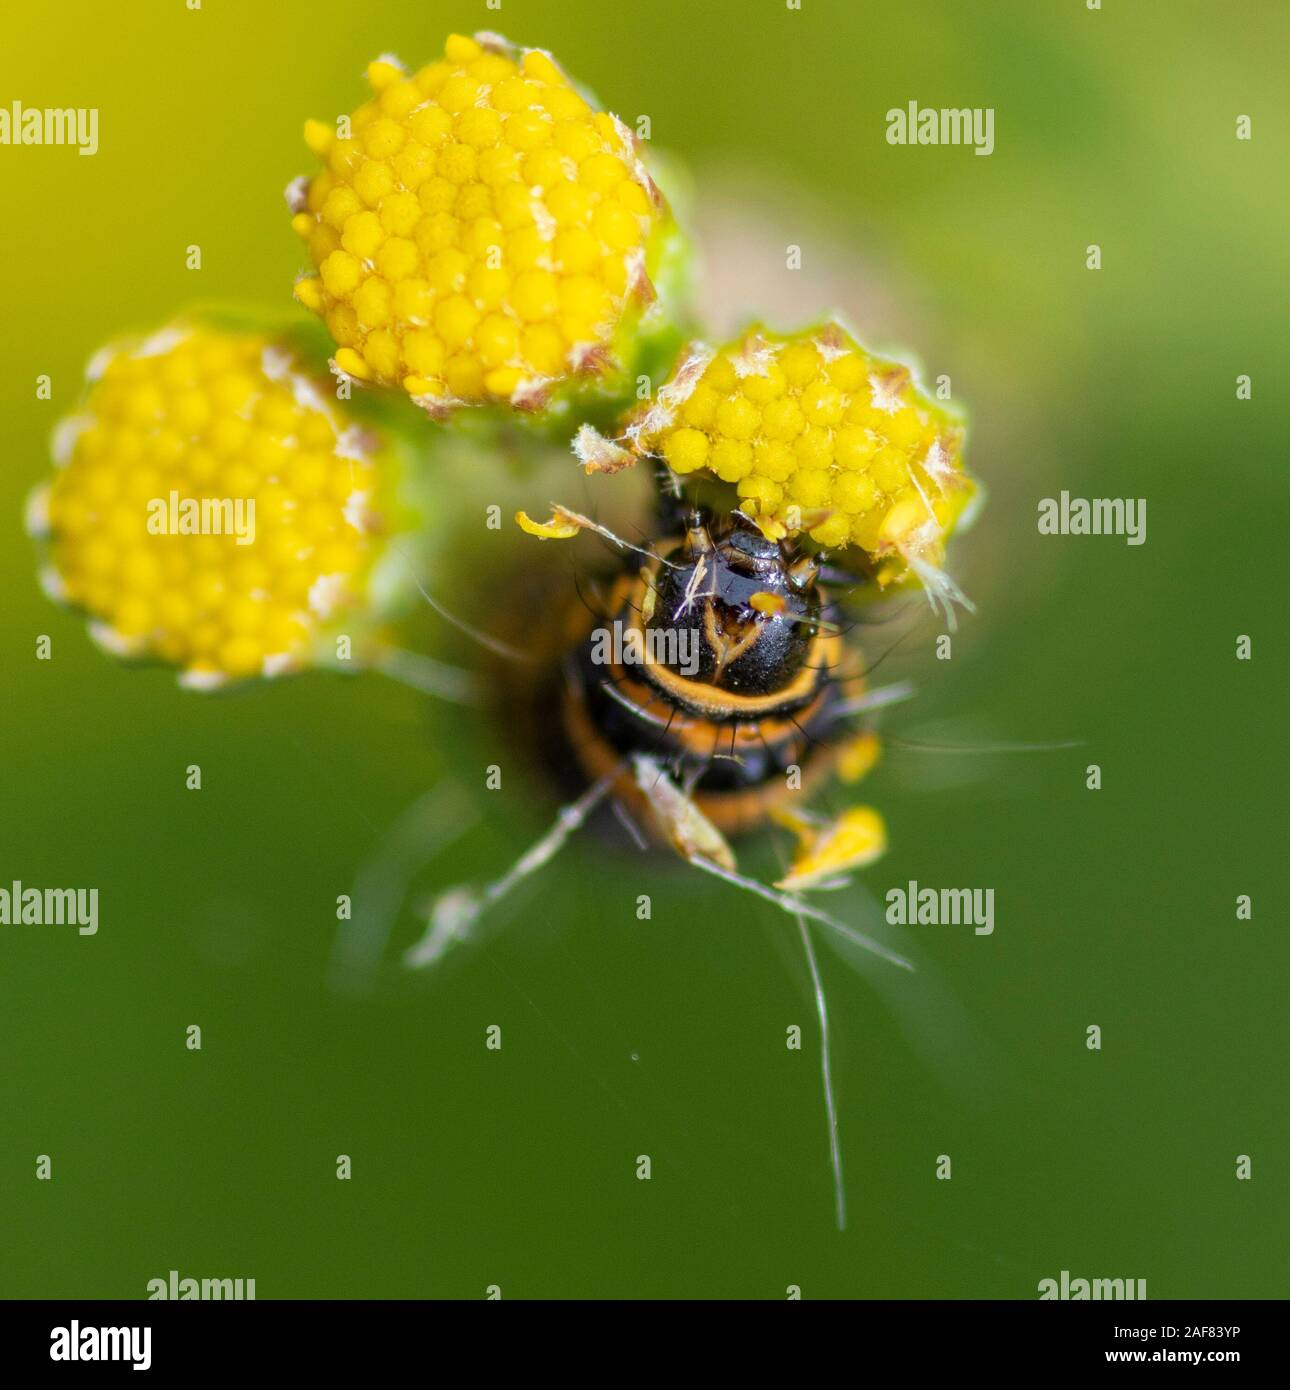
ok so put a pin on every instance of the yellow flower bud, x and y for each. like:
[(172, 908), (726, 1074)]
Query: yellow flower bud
[(818, 435), (213, 508), (511, 200)]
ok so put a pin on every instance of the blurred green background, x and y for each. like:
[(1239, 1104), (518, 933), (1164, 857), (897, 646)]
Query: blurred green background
[(1114, 908)]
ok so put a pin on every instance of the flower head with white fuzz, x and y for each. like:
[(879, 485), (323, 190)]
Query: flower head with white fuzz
[(820, 437)]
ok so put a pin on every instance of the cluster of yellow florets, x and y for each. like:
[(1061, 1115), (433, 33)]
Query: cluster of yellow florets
[(480, 232), (210, 509), (817, 436)]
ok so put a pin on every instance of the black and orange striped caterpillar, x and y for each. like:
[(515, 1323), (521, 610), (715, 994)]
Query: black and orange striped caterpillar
[(746, 679)]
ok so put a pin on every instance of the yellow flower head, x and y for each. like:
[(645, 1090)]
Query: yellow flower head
[(480, 232), (212, 509), (818, 436)]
